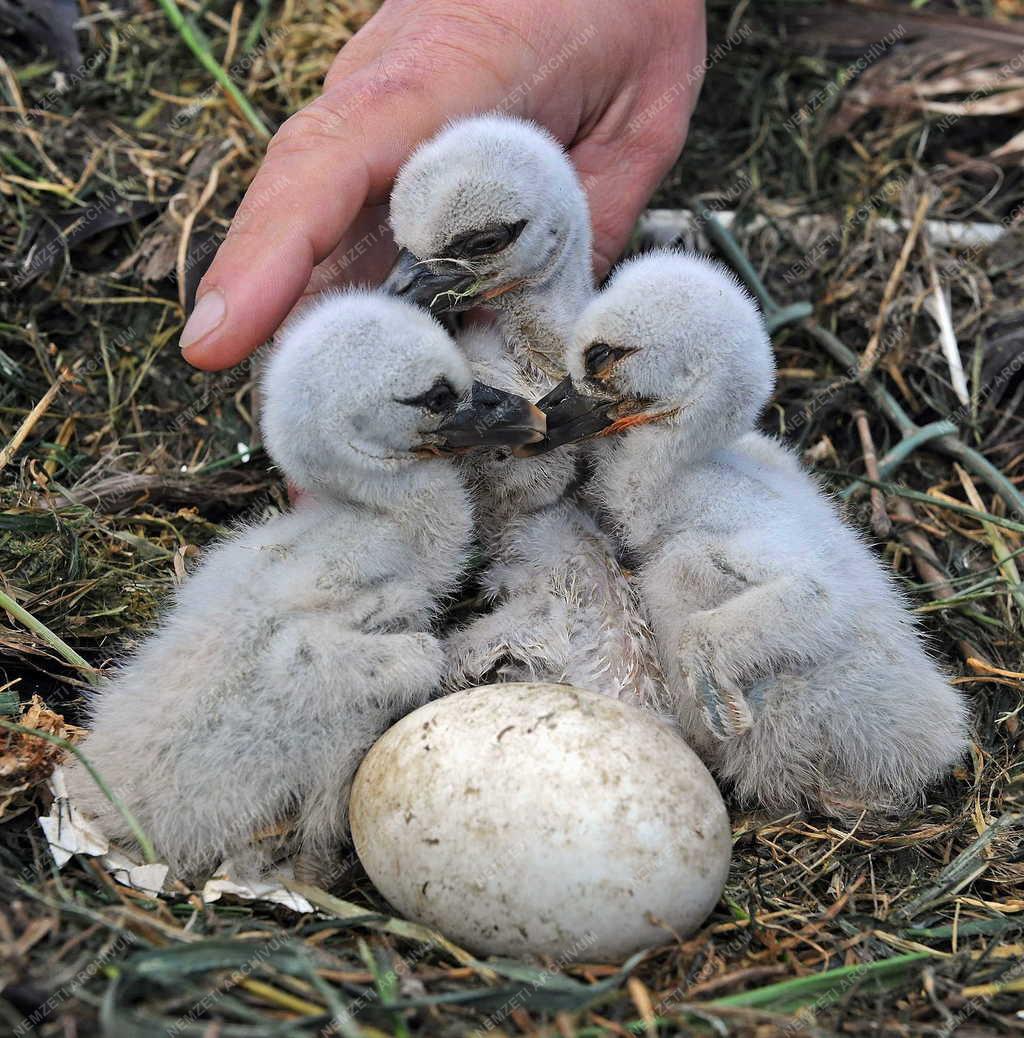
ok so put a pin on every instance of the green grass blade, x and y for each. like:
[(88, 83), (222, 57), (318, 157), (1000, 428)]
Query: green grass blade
[(196, 43), (21, 614), (788, 995)]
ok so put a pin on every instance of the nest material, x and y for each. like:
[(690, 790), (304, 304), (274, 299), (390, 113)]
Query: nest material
[(120, 463)]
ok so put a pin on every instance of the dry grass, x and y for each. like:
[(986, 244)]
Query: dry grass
[(133, 461)]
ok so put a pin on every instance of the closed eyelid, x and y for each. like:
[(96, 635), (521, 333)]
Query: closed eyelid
[(608, 355), (419, 399), (460, 242)]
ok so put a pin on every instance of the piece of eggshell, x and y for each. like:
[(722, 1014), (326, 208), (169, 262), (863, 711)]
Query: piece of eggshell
[(528, 819)]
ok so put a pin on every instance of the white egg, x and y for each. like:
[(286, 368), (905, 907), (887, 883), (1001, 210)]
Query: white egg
[(541, 819)]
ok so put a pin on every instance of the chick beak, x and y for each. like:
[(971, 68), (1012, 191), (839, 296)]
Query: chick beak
[(572, 414), (634, 413), (499, 290), (490, 418), (440, 292)]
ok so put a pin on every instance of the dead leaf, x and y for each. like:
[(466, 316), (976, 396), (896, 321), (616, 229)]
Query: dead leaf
[(27, 761), (56, 234), (48, 23)]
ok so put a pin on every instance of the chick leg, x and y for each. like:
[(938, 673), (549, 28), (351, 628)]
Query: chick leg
[(521, 640), (369, 682), (726, 710), (729, 654)]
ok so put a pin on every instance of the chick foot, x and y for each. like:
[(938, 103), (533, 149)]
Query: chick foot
[(729, 711)]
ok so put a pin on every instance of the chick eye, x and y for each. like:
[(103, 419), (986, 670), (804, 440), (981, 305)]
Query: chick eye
[(600, 357), (489, 241), (439, 398)]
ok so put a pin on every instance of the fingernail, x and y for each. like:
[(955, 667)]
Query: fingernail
[(209, 313)]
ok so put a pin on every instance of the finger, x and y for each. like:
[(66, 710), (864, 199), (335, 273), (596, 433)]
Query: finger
[(364, 255), (323, 165)]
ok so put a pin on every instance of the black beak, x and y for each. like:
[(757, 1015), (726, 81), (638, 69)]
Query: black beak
[(572, 415), (437, 292), (491, 418)]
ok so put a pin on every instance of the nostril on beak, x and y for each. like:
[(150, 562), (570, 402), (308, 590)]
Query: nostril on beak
[(492, 418), (497, 410)]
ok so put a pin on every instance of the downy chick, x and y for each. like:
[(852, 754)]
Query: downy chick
[(490, 212), (298, 641), (796, 668), (562, 608)]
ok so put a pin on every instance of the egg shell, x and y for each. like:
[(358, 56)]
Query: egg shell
[(526, 819)]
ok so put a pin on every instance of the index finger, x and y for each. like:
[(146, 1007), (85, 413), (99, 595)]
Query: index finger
[(322, 166)]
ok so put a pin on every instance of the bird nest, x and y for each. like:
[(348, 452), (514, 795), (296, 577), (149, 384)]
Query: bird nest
[(877, 224)]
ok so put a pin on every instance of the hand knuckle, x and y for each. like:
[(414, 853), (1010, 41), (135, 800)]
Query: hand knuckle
[(307, 130)]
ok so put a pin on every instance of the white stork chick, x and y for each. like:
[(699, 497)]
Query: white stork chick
[(491, 211), (796, 667), (298, 641)]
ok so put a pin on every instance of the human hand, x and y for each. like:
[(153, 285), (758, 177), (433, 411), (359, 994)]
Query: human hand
[(615, 83)]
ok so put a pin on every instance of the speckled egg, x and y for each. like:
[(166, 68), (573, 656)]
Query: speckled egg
[(525, 819)]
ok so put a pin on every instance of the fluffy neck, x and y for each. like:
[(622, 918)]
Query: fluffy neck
[(506, 488), (537, 319), (631, 475), (427, 500), (714, 410)]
